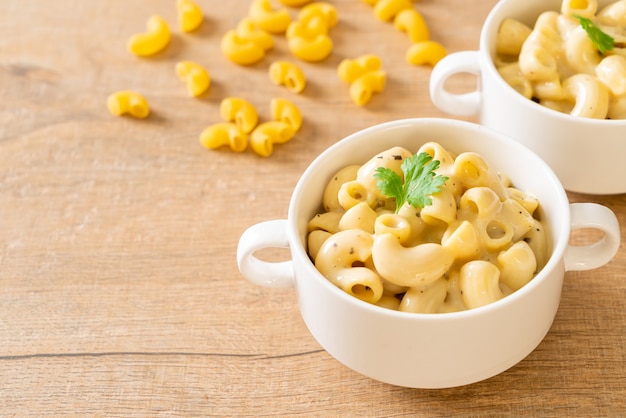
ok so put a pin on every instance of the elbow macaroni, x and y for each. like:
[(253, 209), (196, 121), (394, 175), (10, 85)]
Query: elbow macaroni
[(267, 18), (287, 74), (190, 15), (365, 76), (241, 111), (224, 134), (556, 64), (155, 39), (307, 37), (195, 76), (479, 241), (128, 103)]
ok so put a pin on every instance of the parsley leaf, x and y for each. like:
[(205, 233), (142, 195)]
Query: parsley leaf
[(420, 181), (603, 41)]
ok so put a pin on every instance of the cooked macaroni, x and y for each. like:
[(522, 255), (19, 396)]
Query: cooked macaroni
[(556, 64), (480, 240)]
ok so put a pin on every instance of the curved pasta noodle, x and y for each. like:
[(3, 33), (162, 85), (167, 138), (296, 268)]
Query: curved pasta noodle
[(362, 89), (354, 192), (393, 224), (517, 265), (511, 36), (391, 158), (611, 71), (442, 211), (327, 221), (412, 266), (427, 299), (513, 75), (590, 96), (582, 55), (478, 281), (315, 240), (585, 8), (330, 199), (473, 171), (342, 257), (462, 239), (360, 216)]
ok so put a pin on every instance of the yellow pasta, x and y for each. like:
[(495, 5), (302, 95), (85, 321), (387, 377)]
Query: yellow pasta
[(264, 136), (588, 95), (360, 216), (411, 21), (517, 264), (478, 241), (308, 38), (351, 69), (190, 15), (285, 111), (155, 39), (195, 76), (362, 89), (394, 224), (478, 282), (128, 102), (287, 74), (295, 3), (511, 36), (319, 10), (425, 299), (312, 48), (425, 52), (336, 260), (330, 199), (241, 111), (248, 30), (386, 10), (267, 18), (224, 134), (240, 50)]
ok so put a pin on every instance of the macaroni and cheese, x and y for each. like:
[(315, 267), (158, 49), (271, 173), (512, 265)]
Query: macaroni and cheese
[(557, 64), (480, 239)]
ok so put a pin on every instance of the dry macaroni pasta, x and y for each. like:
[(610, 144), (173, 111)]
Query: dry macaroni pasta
[(556, 64), (479, 241)]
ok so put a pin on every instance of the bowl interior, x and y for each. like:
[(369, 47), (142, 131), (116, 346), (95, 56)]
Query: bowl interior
[(527, 171)]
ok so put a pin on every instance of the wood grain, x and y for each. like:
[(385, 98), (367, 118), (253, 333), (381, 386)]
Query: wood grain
[(119, 292)]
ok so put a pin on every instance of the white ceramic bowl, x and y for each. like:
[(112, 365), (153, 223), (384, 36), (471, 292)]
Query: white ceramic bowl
[(428, 350), (588, 155)]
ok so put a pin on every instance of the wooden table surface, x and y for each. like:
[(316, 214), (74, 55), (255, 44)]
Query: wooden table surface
[(119, 290)]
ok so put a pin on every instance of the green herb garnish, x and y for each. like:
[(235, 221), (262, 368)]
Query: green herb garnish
[(602, 41), (420, 181)]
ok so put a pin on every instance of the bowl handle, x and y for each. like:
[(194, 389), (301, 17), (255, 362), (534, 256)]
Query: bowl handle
[(268, 234), (599, 253), (465, 104)]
